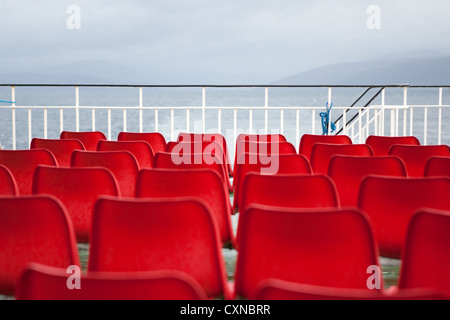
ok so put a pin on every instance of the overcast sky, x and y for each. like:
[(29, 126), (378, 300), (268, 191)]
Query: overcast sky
[(243, 40)]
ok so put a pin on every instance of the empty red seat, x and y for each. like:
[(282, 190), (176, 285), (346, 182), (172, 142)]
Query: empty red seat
[(437, 166), (78, 189), (307, 142), (8, 185), (89, 139), (140, 149), (201, 183), (275, 164), (426, 258), (348, 171), (322, 153), (275, 289), (158, 234), (41, 282), (123, 165), (256, 137), (391, 201), (166, 160), (33, 229), (288, 190), (61, 148), (208, 137), (324, 247), (155, 139), (208, 148), (416, 157), (22, 164), (381, 144)]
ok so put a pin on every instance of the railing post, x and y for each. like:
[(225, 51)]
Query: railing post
[(405, 104), (77, 111), (440, 117), (329, 114), (13, 115), (203, 109), (266, 110), (140, 110)]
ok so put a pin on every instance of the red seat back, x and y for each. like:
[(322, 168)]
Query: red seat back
[(33, 229), (123, 165), (391, 201), (41, 282), (140, 149), (158, 234), (155, 139), (166, 160), (426, 259), (61, 148), (437, 166), (327, 247), (322, 153), (281, 164), (348, 171), (201, 183), (381, 144), (8, 184), (89, 139), (208, 137), (416, 157), (78, 189), (22, 164), (307, 142), (275, 289)]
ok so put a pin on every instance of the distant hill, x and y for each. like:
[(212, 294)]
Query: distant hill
[(390, 71)]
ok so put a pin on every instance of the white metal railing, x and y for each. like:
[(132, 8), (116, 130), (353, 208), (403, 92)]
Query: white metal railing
[(370, 119)]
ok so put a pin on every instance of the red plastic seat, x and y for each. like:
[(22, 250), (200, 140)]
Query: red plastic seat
[(322, 153), (8, 184), (155, 139), (209, 137), (261, 148), (209, 148), (33, 229), (325, 247), (437, 166), (275, 289), (381, 144), (426, 258), (78, 189), (288, 190), (123, 165), (391, 201), (22, 164), (140, 149), (255, 137), (307, 142), (158, 234), (267, 148), (166, 160), (416, 157), (41, 282), (89, 139), (348, 171), (61, 149), (281, 164), (201, 183)]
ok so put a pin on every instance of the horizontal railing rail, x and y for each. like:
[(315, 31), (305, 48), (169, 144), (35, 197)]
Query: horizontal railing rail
[(367, 119)]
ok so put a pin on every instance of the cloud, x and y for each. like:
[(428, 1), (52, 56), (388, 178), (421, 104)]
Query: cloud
[(269, 39)]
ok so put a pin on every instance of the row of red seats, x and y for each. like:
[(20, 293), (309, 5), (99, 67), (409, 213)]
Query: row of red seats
[(141, 248), (276, 198)]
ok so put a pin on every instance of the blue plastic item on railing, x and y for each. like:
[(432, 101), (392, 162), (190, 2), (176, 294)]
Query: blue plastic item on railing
[(326, 119)]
